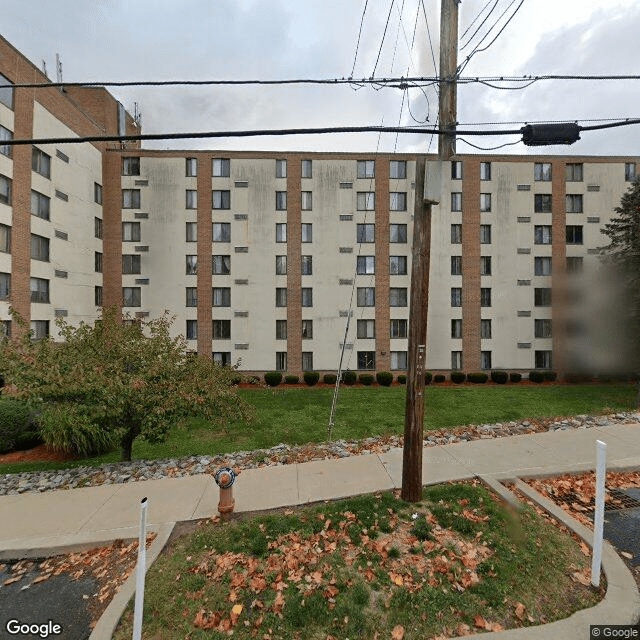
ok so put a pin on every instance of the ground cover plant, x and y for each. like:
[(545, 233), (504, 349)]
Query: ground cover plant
[(367, 567)]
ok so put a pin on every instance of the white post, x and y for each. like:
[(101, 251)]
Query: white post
[(140, 572), (598, 521)]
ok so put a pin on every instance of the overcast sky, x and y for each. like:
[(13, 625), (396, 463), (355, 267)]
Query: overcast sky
[(101, 40)]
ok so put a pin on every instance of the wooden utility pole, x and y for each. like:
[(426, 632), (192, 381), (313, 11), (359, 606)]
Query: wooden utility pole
[(448, 101)]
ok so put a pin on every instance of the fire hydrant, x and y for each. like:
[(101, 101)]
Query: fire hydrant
[(225, 478)]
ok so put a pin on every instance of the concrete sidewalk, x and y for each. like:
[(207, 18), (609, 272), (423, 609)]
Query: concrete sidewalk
[(33, 524)]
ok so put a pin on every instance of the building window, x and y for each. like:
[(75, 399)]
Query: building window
[(306, 265), (97, 193), (366, 200), (97, 260), (281, 168), (542, 296), (366, 360), (191, 168), (485, 359), (281, 265), (456, 360), (456, 328), (97, 228), (192, 297), (398, 233), (221, 199), (131, 198), (41, 162), (307, 297), (281, 231), (574, 172), (306, 169), (5, 238), (485, 234), (456, 170), (5, 190), (485, 265), (366, 232), (130, 166), (542, 266), (366, 296), (191, 265), (456, 234), (397, 329), (39, 248), (398, 297), (5, 286), (456, 265), (220, 265), (307, 232), (543, 359), (39, 329), (281, 297), (6, 93), (130, 232), (398, 169), (573, 203), (281, 360), (456, 201), (131, 297), (397, 265), (485, 171), (222, 330), (366, 329), (542, 172), (221, 169), (40, 205), (281, 200), (5, 134), (366, 169), (221, 296), (542, 328), (575, 264), (131, 263), (485, 296), (485, 202), (629, 171), (192, 329), (485, 329), (398, 360), (191, 199), (307, 329), (39, 290), (307, 200), (307, 361), (456, 296), (97, 296), (574, 234), (191, 232), (542, 203), (222, 358), (398, 201), (222, 232), (542, 234), (365, 265)]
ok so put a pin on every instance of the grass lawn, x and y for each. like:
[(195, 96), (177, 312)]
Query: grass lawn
[(298, 416), (367, 567)]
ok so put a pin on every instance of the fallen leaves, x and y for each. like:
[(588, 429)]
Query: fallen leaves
[(397, 633)]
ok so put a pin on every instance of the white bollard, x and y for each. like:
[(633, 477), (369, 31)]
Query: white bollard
[(141, 570), (598, 521)]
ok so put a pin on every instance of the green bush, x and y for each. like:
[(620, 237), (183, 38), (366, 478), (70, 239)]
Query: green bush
[(439, 377), (384, 378), (402, 379), (311, 377), (291, 379), (536, 376), (458, 377), (477, 378), (427, 377), (273, 378), (349, 377), (366, 379), (499, 377), (253, 380), (515, 377), (329, 378), (550, 376), (18, 428)]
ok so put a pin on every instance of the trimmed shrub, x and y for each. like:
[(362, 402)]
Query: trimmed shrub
[(402, 379), (578, 377), (349, 377), (329, 378), (458, 377), (477, 378), (311, 377), (550, 376), (499, 377), (366, 379), (384, 378), (428, 377), (18, 428), (253, 380), (439, 377), (536, 376), (515, 377), (291, 379), (273, 378)]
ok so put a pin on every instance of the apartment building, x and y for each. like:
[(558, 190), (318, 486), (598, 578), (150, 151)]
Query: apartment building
[(262, 257)]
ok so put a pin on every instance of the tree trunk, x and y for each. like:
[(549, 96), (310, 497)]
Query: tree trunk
[(127, 443)]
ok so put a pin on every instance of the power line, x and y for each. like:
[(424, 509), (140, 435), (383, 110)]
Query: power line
[(473, 35), (500, 146), (355, 57), (375, 66), (475, 20)]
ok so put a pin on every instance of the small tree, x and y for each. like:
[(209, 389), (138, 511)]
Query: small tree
[(117, 380)]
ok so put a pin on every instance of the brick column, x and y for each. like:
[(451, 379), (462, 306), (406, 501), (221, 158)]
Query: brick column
[(558, 262), (112, 230), (383, 343), (294, 277), (205, 239), (471, 265)]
